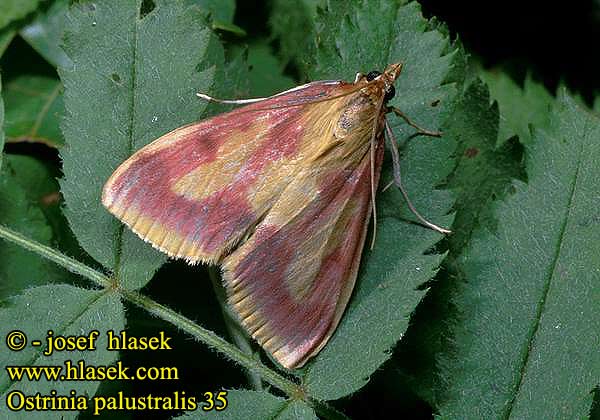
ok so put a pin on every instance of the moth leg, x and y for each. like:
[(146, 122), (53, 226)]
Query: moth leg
[(388, 185), (398, 182), (410, 122)]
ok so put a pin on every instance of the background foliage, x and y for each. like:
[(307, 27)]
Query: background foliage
[(499, 320)]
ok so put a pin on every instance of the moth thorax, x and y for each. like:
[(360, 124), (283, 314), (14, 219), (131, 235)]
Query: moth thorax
[(388, 84), (357, 115)]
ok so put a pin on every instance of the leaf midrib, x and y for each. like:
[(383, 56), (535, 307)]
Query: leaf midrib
[(551, 275), (130, 129)]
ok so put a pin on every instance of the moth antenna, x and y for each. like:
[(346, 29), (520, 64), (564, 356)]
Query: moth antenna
[(373, 186), (229, 101), (398, 182), (254, 100)]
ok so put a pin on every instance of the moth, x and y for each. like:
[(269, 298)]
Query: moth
[(279, 192)]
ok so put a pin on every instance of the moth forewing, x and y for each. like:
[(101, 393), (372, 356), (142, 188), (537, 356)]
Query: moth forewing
[(279, 192)]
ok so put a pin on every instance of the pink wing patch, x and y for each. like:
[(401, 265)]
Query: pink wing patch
[(291, 280), (195, 192)]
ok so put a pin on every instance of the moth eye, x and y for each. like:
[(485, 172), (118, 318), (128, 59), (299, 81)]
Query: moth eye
[(372, 75), (390, 93)]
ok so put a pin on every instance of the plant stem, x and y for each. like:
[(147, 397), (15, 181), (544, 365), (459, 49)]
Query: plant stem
[(203, 335), (58, 257), (213, 340)]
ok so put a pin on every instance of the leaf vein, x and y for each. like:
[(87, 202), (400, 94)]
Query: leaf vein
[(551, 275), (44, 111), (130, 134)]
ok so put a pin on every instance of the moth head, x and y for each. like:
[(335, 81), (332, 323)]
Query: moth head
[(387, 79)]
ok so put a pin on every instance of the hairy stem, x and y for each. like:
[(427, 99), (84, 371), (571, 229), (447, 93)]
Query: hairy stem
[(58, 257), (203, 335)]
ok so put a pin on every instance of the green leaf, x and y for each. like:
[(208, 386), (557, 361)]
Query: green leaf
[(258, 404), (6, 36), (34, 108), (231, 81), (38, 181), (44, 33), (266, 73), (35, 178), (392, 274), (67, 311), (525, 344), (296, 410), (1, 124), (595, 410), (221, 13), (220, 10), (11, 10), (22, 212), (402, 36), (519, 107), (292, 23), (339, 56), (483, 170), (134, 78)]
